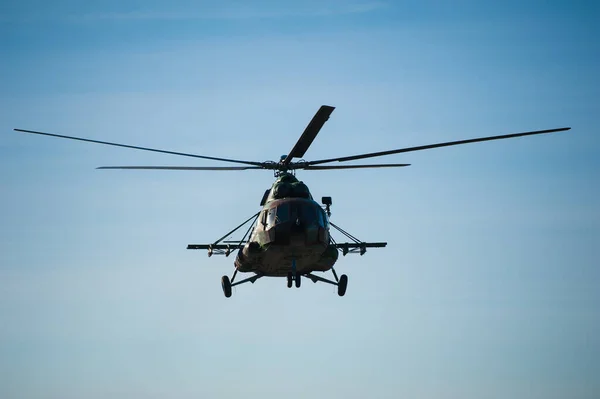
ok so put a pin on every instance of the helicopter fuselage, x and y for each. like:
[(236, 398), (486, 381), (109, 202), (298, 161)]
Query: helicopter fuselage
[(291, 234)]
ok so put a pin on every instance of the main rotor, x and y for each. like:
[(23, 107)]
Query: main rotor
[(286, 164)]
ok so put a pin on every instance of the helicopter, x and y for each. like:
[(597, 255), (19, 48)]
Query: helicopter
[(291, 234)]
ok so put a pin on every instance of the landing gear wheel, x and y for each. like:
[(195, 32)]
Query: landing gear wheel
[(342, 284), (298, 280), (289, 280), (226, 284)]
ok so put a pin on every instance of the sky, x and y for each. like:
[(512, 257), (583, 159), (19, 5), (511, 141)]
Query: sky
[(488, 287)]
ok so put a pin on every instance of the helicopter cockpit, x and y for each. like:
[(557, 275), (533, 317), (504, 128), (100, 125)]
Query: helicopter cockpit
[(303, 212), (295, 218)]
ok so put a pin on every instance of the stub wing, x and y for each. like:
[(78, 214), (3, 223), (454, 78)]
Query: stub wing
[(358, 247), (217, 249)]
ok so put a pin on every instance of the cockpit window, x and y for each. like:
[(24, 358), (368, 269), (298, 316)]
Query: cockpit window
[(307, 213), (277, 215), (283, 213), (322, 217), (271, 215)]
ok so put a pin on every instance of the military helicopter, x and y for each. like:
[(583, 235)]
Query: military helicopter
[(290, 236)]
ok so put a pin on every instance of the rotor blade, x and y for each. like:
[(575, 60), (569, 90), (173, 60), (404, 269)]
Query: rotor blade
[(383, 165), (309, 134), (181, 167), (426, 147), (140, 148)]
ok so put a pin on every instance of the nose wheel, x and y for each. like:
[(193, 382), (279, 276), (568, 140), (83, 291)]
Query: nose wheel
[(291, 279)]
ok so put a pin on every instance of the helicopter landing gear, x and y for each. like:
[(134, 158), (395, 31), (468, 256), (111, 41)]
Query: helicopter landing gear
[(341, 282), (293, 276), (227, 284), (291, 279)]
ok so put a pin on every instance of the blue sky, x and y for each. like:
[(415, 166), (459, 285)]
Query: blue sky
[(488, 286)]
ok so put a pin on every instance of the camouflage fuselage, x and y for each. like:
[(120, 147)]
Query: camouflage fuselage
[(291, 234)]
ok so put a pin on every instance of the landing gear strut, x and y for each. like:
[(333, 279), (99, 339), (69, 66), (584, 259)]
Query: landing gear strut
[(341, 283), (227, 284), (292, 278)]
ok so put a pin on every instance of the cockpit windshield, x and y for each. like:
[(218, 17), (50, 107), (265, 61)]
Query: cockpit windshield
[(308, 213), (278, 214), (283, 212)]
